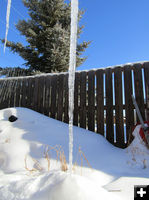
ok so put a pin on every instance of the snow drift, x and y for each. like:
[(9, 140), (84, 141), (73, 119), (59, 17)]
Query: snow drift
[(30, 167)]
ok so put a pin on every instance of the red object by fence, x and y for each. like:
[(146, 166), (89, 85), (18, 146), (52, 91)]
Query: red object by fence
[(141, 132)]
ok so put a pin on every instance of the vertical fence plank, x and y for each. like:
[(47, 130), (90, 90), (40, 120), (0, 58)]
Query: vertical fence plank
[(53, 107), (100, 101), (139, 89), (35, 99), (32, 92), (24, 93), (91, 100), (109, 106), (119, 107), (60, 97), (5, 94), (29, 93), (11, 94), (15, 92), (66, 118), (18, 93), (22, 96), (2, 83), (129, 111), (146, 73), (76, 99), (40, 93), (83, 99), (47, 95)]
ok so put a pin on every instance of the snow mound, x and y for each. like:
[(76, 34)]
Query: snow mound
[(78, 188), (138, 151), (30, 168)]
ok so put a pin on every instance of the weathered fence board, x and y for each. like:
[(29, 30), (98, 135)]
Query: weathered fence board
[(109, 106), (100, 101), (40, 94), (146, 73), (53, 106), (102, 98), (66, 118), (23, 93), (35, 99), (60, 97), (30, 93), (76, 100), (91, 101), (83, 111), (129, 111), (12, 94), (139, 89), (47, 95), (18, 93), (119, 119)]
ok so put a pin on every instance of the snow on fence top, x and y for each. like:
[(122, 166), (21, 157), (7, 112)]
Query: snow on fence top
[(79, 71)]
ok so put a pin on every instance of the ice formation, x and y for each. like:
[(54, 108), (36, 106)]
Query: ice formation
[(72, 66), (7, 22)]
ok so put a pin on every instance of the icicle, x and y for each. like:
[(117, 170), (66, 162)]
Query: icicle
[(72, 67), (7, 22)]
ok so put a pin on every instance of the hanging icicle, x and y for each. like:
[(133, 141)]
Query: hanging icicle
[(7, 22), (71, 80)]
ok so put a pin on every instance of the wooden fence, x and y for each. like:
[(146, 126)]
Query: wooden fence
[(102, 101)]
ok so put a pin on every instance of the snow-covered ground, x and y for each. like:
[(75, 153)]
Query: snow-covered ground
[(33, 150)]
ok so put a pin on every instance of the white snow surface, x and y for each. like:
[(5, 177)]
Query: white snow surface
[(30, 169)]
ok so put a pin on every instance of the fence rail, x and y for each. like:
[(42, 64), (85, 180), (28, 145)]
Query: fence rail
[(102, 99)]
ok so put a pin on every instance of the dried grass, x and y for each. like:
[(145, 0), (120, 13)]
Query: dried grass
[(38, 167), (60, 156), (81, 156)]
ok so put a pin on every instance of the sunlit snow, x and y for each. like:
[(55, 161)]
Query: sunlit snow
[(30, 166)]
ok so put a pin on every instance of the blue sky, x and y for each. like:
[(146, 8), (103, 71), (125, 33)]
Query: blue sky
[(118, 29)]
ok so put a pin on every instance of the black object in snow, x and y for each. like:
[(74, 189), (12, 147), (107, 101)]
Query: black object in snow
[(12, 118)]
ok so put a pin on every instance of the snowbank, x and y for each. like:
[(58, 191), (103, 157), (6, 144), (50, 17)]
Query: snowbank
[(33, 166)]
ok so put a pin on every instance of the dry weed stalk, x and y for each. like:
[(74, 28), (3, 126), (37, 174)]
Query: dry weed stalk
[(81, 155), (37, 165), (46, 155), (63, 161), (30, 170), (59, 156)]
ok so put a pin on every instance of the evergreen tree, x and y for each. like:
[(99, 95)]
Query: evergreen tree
[(47, 32)]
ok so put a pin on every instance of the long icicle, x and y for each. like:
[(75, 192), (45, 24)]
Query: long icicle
[(72, 67), (7, 22)]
